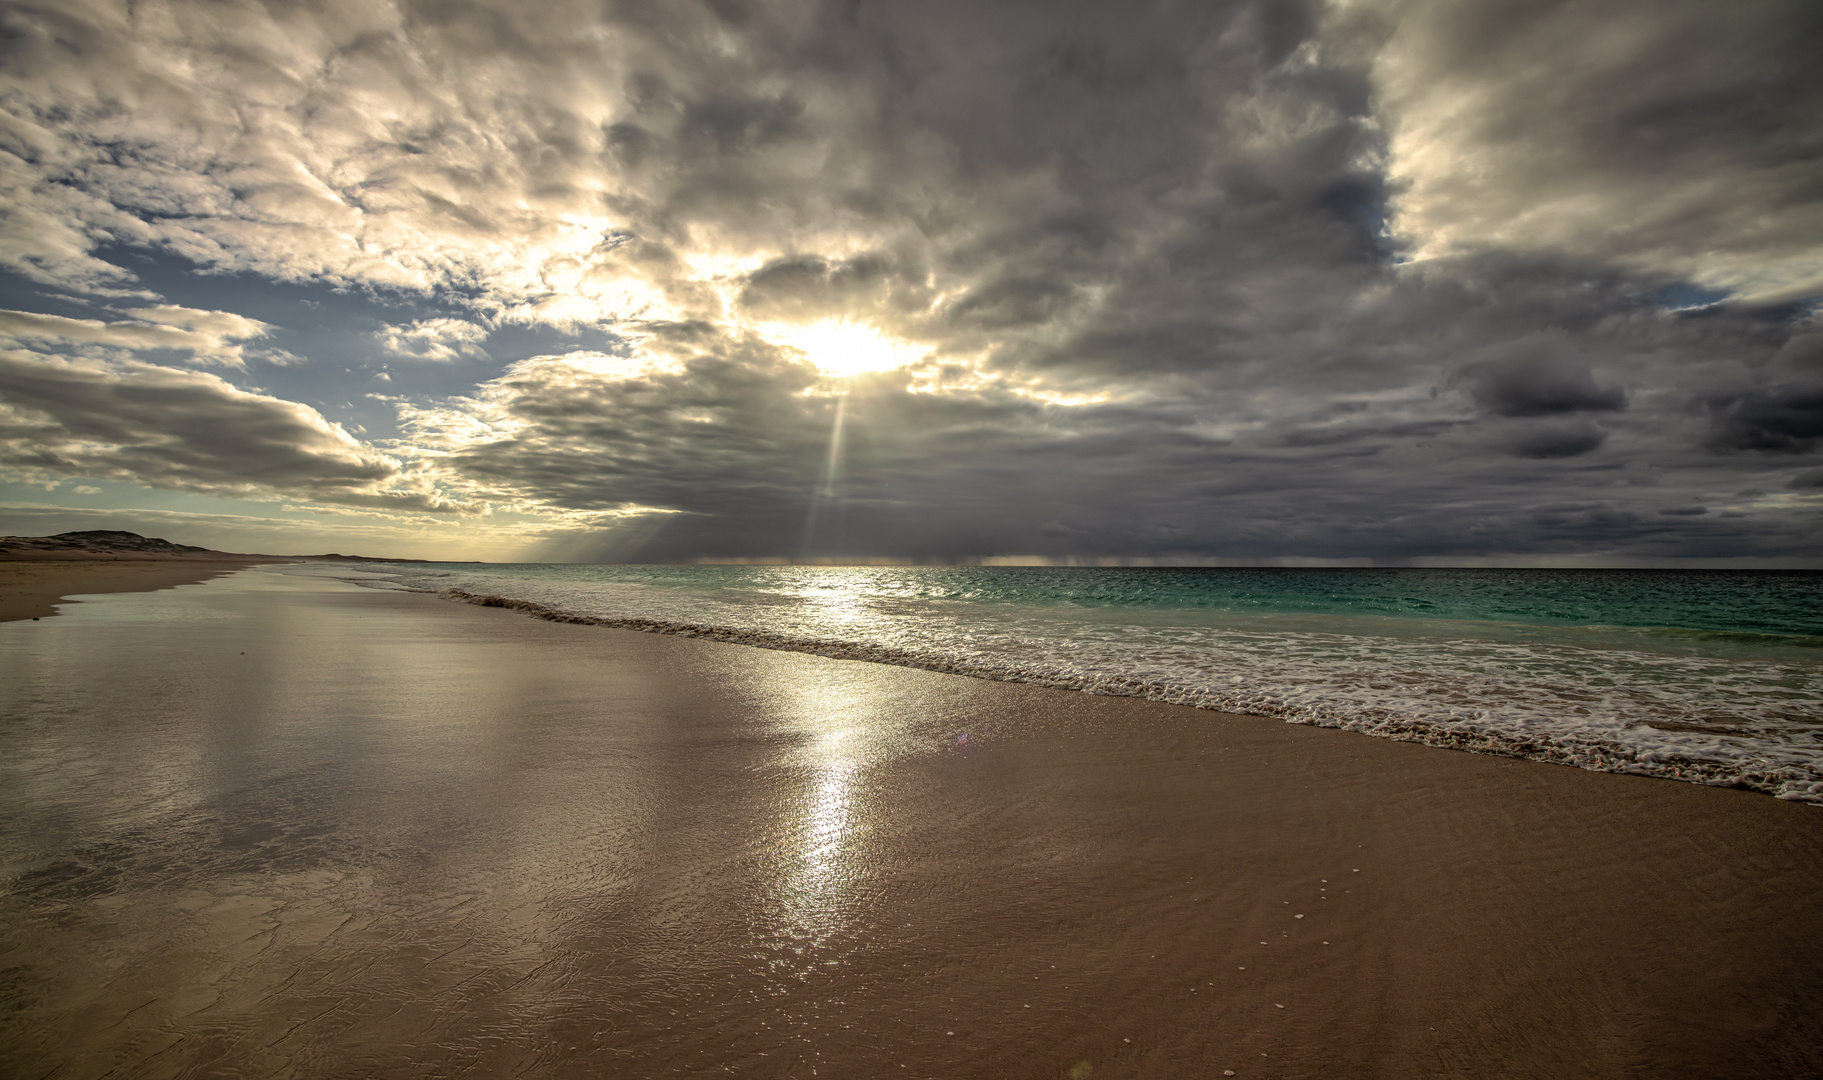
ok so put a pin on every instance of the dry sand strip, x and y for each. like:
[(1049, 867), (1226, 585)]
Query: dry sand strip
[(31, 586), (358, 833)]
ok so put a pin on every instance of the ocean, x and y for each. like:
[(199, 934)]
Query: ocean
[(1712, 677)]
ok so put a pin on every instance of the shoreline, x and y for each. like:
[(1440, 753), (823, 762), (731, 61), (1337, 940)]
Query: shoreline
[(33, 584), (400, 836), (1788, 783)]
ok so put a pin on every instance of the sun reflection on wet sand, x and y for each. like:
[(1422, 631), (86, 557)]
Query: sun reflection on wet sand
[(821, 817), (813, 894), (828, 821)]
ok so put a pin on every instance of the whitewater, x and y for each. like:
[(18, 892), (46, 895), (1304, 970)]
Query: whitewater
[(1708, 677)]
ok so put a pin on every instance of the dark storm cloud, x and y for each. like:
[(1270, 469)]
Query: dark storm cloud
[(1674, 135), (1549, 439), (1246, 279), (1775, 406), (1784, 418), (729, 437), (804, 288), (178, 429), (1537, 378)]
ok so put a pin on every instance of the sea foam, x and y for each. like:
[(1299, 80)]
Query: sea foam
[(1728, 709)]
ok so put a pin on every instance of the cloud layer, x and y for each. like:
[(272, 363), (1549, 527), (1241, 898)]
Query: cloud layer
[(175, 429), (1245, 280)]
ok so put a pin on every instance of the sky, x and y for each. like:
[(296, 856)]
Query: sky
[(1389, 282)]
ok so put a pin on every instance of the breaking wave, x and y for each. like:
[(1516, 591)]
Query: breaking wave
[(1716, 720)]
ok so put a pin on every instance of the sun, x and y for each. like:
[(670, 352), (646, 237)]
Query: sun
[(840, 348)]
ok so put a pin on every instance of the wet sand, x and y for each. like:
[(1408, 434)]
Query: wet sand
[(284, 827), (33, 583)]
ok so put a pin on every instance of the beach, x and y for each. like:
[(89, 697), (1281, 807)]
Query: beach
[(32, 583), (279, 825)]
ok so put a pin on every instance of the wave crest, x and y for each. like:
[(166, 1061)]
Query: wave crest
[(1790, 782)]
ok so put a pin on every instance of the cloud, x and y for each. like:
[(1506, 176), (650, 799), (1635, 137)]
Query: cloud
[(735, 437), (209, 336), (1538, 378), (435, 339), (1234, 280), (1550, 439), (806, 288), (184, 430), (1670, 135), (1782, 418)]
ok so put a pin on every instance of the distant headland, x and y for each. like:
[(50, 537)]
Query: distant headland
[(90, 544)]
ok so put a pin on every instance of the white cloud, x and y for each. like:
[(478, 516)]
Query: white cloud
[(435, 339), (211, 337)]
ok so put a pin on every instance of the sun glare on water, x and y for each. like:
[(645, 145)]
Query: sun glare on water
[(840, 349)]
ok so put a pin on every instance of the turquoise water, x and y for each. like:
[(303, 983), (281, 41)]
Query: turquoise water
[(1709, 676), (1780, 607)]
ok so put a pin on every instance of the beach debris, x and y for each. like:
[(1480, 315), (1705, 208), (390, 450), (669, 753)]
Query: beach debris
[(1276, 1005), (1297, 916), (962, 739), (1227, 1072)]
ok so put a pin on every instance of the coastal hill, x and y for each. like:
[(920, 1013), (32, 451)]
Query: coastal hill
[(111, 541), (119, 544)]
